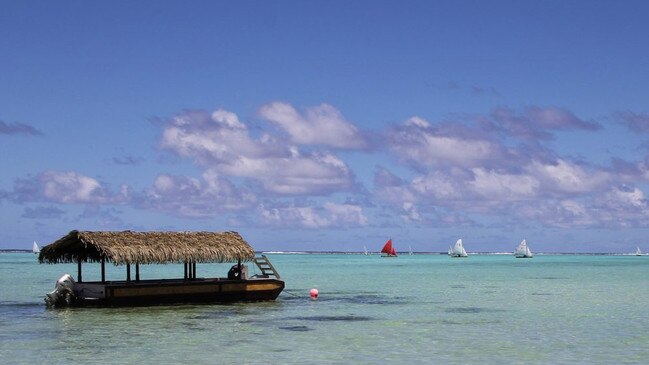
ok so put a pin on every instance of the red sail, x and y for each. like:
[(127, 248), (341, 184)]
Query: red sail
[(388, 249)]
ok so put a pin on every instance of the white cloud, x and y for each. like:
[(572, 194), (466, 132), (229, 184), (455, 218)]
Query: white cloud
[(437, 185), (564, 213), (497, 186), (410, 212), (417, 122), (500, 195), (625, 203), (220, 142), (628, 197), (219, 138), (331, 215), (316, 174), (190, 197), (320, 125), (566, 177), (421, 145), (345, 214), (72, 187), (228, 119)]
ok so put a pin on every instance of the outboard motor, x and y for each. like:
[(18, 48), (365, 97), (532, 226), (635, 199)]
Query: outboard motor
[(234, 273), (63, 293)]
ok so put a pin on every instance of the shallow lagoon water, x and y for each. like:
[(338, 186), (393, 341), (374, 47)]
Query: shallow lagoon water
[(421, 309)]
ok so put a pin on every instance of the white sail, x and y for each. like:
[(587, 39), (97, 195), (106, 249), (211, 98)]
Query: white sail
[(638, 252), (365, 247), (457, 250), (409, 250), (523, 251), (35, 248)]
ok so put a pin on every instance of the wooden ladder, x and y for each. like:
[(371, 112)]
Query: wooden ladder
[(265, 266)]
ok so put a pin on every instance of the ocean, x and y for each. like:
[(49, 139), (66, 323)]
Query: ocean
[(415, 309)]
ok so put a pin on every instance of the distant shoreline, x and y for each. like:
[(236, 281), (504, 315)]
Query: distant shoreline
[(403, 254), (442, 253)]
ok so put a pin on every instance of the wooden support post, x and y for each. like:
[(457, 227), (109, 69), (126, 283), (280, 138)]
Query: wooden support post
[(137, 271), (79, 279), (185, 270), (194, 270), (128, 273), (103, 269)]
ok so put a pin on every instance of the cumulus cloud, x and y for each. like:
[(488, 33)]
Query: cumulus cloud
[(623, 207), (502, 186), (190, 197), (624, 197), (177, 195), (566, 177), (345, 215), (618, 207), (555, 193), (503, 140), (18, 128), (536, 180), (222, 143), (410, 213), (331, 215), (66, 187), (494, 164), (71, 187), (418, 143), (319, 125), (560, 213), (440, 185)]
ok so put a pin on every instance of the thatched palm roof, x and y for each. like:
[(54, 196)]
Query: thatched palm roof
[(147, 247)]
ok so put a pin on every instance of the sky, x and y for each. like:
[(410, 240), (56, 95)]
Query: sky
[(333, 125)]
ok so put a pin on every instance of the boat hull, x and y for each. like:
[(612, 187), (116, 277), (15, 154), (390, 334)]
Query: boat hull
[(154, 292)]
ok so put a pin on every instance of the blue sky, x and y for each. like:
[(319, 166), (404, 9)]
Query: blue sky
[(328, 125)]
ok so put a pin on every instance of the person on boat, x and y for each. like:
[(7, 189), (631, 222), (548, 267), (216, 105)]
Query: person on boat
[(238, 272)]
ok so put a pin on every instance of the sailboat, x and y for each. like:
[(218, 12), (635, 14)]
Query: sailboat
[(457, 250), (522, 251), (365, 252), (35, 248), (388, 249), (638, 252), (409, 250)]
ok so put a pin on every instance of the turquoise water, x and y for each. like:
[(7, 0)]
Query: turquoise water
[(420, 309)]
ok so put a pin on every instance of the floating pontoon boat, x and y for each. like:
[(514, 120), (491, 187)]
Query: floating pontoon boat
[(140, 248)]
